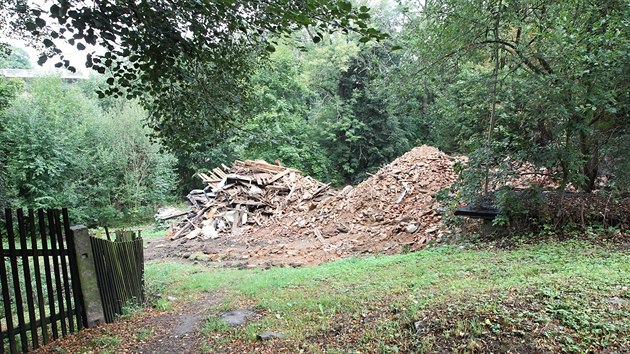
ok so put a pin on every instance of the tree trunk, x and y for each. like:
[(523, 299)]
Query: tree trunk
[(590, 168)]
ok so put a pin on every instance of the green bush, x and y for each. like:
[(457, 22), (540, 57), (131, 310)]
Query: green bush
[(60, 148)]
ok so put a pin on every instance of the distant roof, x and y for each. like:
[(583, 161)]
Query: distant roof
[(30, 73)]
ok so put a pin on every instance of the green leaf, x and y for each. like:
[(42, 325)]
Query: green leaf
[(54, 10), (42, 59), (40, 22)]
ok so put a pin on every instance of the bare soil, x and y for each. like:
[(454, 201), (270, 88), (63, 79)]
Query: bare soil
[(152, 331)]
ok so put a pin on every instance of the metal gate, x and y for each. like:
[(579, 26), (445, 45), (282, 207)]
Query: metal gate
[(41, 294)]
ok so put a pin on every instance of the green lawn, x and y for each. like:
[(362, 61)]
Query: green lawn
[(571, 296)]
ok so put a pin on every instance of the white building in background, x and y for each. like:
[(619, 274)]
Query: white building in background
[(32, 73)]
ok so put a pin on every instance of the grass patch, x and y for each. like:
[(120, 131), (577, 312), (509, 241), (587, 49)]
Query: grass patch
[(143, 334), (106, 343), (153, 232), (491, 299)]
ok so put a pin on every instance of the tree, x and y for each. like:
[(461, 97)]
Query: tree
[(528, 81), (16, 58), (172, 54), (9, 89), (59, 148)]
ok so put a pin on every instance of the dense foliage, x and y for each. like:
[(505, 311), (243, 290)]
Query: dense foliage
[(188, 61), (15, 58), (536, 81), (505, 82), (60, 148)]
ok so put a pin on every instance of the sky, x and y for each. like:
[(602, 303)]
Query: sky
[(76, 57)]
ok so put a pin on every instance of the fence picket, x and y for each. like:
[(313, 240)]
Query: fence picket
[(38, 279), (27, 278), (57, 273), (49, 280), (16, 280), (48, 291), (6, 301)]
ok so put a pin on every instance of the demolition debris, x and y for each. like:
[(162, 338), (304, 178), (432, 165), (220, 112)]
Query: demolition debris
[(248, 193), (256, 213)]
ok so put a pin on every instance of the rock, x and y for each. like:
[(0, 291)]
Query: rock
[(617, 301), (411, 228), (345, 191), (268, 335), (171, 298), (209, 232), (343, 229), (420, 327), (238, 317)]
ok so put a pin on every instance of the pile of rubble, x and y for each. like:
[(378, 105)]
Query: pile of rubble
[(393, 210), (256, 213), (248, 193)]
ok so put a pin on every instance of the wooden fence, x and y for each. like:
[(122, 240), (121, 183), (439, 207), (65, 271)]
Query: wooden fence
[(120, 272), (41, 294)]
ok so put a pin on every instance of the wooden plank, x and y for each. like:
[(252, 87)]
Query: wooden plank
[(16, 280), (100, 276), (6, 301), (264, 166), (193, 234), (279, 175), (104, 283), (218, 172), (47, 270), (140, 250), (38, 279), (28, 283), (57, 273)]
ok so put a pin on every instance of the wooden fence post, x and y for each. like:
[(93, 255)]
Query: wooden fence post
[(87, 276)]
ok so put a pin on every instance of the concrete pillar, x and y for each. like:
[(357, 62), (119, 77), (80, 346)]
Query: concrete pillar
[(87, 276)]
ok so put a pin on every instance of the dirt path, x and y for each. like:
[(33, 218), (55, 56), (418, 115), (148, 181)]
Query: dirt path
[(179, 331), (152, 331)]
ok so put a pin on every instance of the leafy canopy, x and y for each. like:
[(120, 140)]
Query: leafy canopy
[(188, 60)]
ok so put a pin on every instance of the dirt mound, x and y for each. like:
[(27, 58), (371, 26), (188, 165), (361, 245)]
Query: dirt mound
[(394, 210)]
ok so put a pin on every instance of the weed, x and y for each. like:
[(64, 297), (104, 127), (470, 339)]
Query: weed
[(143, 334), (215, 324), (105, 342)]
